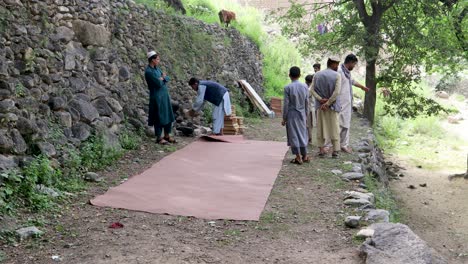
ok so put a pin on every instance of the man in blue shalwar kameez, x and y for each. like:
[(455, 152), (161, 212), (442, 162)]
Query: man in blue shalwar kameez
[(216, 94)]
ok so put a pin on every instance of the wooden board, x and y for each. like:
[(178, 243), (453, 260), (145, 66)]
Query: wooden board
[(255, 98)]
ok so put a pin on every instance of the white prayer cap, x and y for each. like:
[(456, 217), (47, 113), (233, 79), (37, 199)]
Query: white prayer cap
[(151, 54), (334, 58)]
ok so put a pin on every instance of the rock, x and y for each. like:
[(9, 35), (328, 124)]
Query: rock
[(114, 104), (63, 34), (91, 34), (6, 143), (358, 195), (186, 131), (377, 216), (362, 185), (26, 126), (13, 2), (352, 221), (57, 103), (64, 119), (442, 94), (92, 177), (47, 149), (357, 202), (28, 232), (351, 176), (100, 54), (20, 146), (124, 74), (7, 162), (396, 243), (197, 132), (7, 105), (111, 141), (365, 233), (357, 169), (77, 84), (364, 149), (46, 190), (88, 113), (81, 131), (103, 107), (337, 172)]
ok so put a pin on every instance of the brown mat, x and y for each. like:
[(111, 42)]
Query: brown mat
[(208, 180), (225, 138)]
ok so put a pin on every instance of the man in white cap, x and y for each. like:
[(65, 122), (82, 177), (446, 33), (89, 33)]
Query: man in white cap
[(160, 115), (325, 88)]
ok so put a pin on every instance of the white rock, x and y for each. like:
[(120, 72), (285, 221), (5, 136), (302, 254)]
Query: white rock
[(365, 233), (358, 195), (337, 172), (27, 232)]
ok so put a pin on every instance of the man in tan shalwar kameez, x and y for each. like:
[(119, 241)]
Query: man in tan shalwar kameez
[(326, 86)]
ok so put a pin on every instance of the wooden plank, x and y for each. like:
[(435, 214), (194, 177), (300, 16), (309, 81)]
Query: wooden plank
[(255, 98)]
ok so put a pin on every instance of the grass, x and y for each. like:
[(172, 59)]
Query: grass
[(383, 198), (422, 140), (279, 54)]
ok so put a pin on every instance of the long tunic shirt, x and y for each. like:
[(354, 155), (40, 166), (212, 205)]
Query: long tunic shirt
[(224, 108), (160, 107), (327, 84), (295, 109), (346, 98)]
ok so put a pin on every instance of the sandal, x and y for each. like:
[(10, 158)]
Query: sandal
[(162, 141), (335, 155), (170, 140), (295, 161), (306, 160)]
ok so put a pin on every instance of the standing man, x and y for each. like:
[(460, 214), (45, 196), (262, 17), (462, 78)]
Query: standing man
[(346, 99), (311, 116), (216, 94), (316, 67), (160, 115), (295, 109), (326, 87)]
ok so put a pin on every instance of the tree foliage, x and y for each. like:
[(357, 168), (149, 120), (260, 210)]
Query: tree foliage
[(399, 40)]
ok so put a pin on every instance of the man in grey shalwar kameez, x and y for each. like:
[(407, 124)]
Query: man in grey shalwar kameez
[(295, 109), (326, 87)]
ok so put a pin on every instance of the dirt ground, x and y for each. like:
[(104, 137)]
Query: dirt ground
[(438, 213), (302, 221)]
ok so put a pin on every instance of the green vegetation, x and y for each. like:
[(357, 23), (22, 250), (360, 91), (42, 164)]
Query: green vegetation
[(383, 198), (95, 154), (401, 39), (279, 53), (31, 187), (422, 139)]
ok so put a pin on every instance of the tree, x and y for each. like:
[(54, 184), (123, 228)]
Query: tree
[(398, 37)]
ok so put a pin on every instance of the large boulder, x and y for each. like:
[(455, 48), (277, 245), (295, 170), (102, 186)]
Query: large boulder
[(88, 113), (91, 34), (396, 243)]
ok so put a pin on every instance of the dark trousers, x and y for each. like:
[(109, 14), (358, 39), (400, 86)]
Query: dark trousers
[(158, 129)]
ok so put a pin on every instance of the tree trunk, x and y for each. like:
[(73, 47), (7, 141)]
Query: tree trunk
[(371, 96)]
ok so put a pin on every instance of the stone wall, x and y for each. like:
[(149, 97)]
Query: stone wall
[(69, 68)]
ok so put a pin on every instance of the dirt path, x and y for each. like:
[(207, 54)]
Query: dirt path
[(439, 212), (302, 221)]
